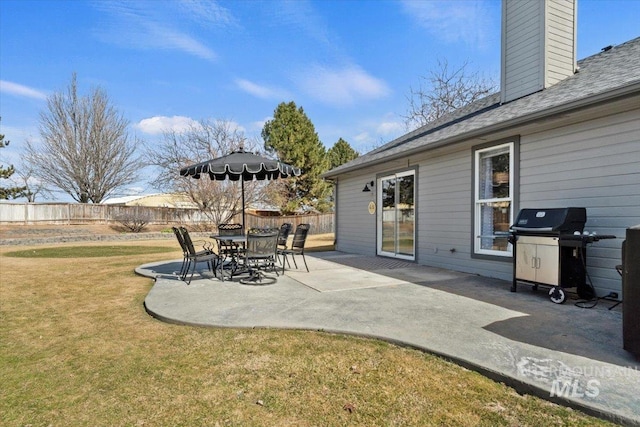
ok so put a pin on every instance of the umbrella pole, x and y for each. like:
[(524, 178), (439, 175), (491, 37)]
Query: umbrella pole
[(243, 217)]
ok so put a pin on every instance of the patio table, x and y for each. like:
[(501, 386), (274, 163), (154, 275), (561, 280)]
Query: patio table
[(236, 264), (235, 238), (232, 265)]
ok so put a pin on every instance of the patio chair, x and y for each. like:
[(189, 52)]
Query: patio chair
[(297, 246), (259, 256), (229, 251), (185, 251), (283, 235), (194, 257)]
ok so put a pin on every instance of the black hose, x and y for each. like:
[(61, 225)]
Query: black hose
[(594, 301)]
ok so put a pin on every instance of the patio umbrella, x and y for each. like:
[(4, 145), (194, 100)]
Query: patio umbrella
[(243, 166)]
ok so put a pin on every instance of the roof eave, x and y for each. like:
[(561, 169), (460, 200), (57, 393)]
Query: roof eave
[(589, 101)]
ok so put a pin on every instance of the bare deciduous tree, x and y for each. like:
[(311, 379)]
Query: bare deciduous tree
[(86, 150), (208, 139), (34, 187), (444, 91)]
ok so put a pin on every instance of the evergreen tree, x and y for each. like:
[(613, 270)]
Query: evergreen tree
[(5, 172), (341, 153), (292, 137)]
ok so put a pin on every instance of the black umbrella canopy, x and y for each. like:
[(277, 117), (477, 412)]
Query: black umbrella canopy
[(241, 165)]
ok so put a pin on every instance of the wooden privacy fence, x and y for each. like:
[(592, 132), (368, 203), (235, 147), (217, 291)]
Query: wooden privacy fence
[(79, 213), (320, 223)]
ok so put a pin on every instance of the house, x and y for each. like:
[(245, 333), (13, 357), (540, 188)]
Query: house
[(560, 133), (171, 200)]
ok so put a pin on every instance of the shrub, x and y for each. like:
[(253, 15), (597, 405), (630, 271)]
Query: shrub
[(133, 220)]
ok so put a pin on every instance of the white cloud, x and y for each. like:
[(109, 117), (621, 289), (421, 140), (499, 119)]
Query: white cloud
[(235, 126), (20, 90), (140, 25), (166, 38), (20, 134), (133, 191), (207, 13), (341, 87), (263, 92), (451, 21), (373, 132), (303, 15), (392, 128), (362, 137), (159, 124), (259, 124)]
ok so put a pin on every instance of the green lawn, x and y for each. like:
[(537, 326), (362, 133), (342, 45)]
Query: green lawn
[(78, 349)]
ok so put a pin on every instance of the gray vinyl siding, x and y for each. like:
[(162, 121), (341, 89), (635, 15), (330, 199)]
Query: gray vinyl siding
[(522, 55), (445, 215), (596, 165), (355, 227), (560, 41), (593, 164), (539, 45)]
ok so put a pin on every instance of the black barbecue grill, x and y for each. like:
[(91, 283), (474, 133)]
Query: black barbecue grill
[(549, 248)]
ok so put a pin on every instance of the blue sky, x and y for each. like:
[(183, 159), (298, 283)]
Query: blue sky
[(350, 64)]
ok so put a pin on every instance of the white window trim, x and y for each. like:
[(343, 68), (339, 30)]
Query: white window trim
[(477, 202)]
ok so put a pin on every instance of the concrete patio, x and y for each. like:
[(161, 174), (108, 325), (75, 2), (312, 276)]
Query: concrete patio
[(564, 353)]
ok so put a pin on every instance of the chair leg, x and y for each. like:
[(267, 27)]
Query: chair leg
[(193, 269), (220, 268), (305, 261), (195, 264), (183, 266), (183, 275)]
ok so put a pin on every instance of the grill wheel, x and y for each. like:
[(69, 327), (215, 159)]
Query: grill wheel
[(557, 295)]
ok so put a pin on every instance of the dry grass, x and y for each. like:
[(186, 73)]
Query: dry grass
[(77, 348)]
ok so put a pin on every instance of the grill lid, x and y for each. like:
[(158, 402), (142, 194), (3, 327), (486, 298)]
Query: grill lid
[(555, 220)]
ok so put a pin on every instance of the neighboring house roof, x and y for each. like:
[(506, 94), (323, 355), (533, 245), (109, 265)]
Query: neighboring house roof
[(121, 200), (602, 77), (154, 200), (261, 206)]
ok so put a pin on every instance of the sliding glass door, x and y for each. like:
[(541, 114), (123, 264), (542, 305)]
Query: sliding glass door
[(396, 215)]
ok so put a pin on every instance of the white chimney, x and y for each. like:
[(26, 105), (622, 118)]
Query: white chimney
[(538, 45)]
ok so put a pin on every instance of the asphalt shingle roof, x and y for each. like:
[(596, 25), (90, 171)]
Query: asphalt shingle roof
[(600, 74)]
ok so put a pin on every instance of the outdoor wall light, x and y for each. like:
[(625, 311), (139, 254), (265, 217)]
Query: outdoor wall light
[(366, 188)]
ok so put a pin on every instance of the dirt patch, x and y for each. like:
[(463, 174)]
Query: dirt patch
[(54, 230), (53, 233), (60, 233)]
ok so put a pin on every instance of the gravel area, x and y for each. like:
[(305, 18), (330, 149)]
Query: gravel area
[(46, 234), (27, 235)]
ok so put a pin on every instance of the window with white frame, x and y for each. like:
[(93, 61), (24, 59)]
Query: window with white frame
[(493, 199)]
